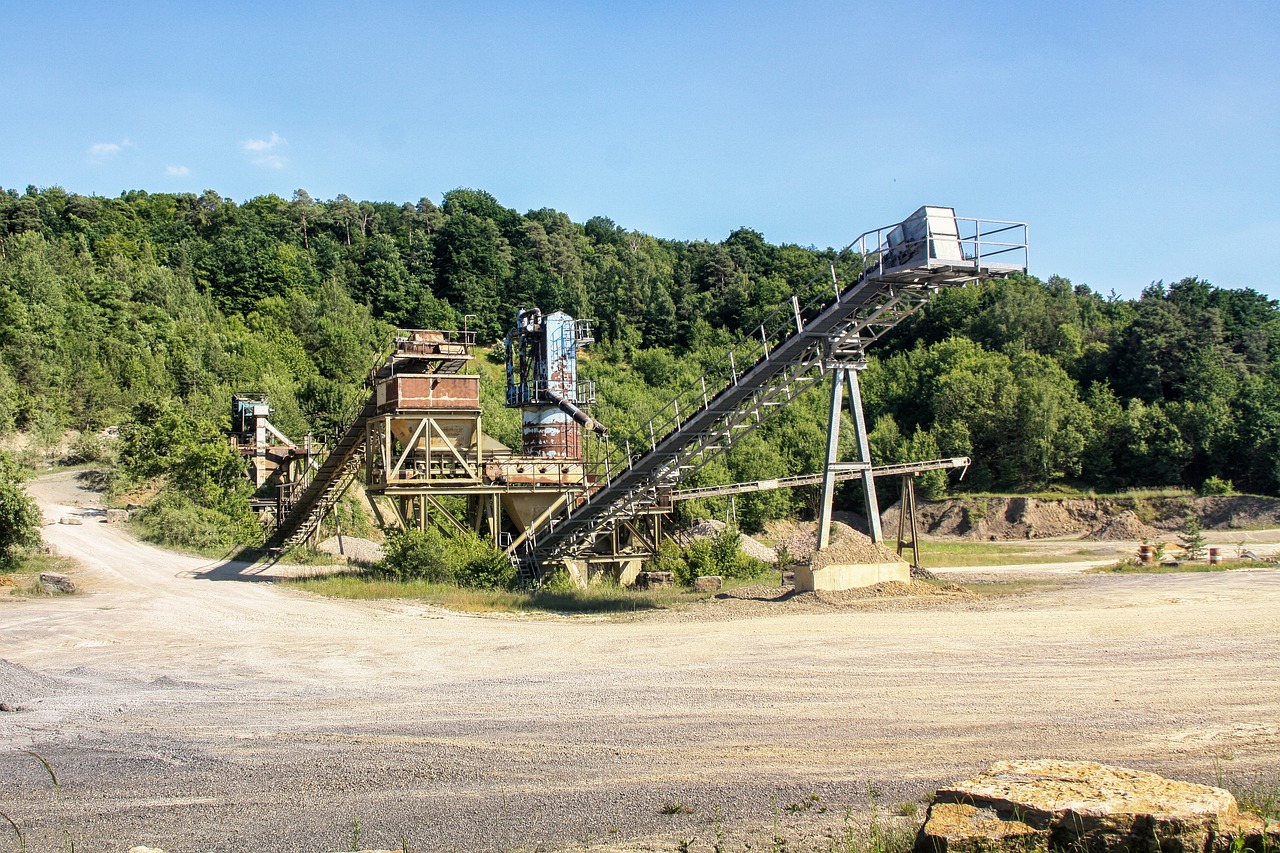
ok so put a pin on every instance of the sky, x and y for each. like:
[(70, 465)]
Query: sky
[(1139, 141)]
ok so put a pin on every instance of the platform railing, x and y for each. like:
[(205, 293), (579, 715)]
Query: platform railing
[(866, 256)]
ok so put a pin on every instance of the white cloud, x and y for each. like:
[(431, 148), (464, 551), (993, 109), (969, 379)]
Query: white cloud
[(271, 161), (264, 144), (177, 171), (100, 152)]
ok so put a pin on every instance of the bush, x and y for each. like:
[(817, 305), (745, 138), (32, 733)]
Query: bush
[(89, 448), (432, 556), (20, 518), (713, 555), (1216, 486), (173, 519), (19, 521), (418, 554), (1192, 538)]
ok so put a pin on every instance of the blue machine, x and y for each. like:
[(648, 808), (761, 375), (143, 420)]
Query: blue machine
[(542, 381)]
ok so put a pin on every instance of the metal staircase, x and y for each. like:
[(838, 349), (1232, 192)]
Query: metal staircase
[(306, 501), (310, 499), (882, 277)]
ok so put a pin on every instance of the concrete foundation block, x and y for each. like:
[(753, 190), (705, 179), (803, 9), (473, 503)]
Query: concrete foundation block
[(850, 576)]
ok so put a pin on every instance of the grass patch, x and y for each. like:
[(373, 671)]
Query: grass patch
[(23, 580), (602, 598), (1260, 796), (1006, 588), (959, 554), (1257, 794), (1128, 567)]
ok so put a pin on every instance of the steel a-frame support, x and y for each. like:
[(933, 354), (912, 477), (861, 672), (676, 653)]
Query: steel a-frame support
[(842, 373)]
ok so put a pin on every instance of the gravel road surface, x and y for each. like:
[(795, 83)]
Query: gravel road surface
[(185, 706)]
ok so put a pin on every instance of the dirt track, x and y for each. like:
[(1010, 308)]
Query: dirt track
[(184, 708)]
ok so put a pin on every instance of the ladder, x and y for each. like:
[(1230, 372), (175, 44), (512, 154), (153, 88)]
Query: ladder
[(317, 495), (880, 279)]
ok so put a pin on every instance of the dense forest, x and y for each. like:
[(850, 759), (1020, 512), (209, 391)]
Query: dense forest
[(146, 312)]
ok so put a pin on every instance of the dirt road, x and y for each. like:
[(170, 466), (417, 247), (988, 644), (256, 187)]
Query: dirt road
[(189, 710)]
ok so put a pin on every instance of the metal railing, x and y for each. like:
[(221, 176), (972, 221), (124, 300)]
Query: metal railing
[(869, 257), (865, 256)]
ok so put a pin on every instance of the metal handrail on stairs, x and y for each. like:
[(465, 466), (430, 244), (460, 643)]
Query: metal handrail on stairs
[(878, 283)]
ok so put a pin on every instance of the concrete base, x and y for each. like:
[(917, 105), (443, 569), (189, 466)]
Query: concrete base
[(850, 576), (583, 574), (578, 572), (627, 571)]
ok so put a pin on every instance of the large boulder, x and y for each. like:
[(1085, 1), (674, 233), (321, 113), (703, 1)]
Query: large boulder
[(655, 580), (1082, 807), (56, 582)]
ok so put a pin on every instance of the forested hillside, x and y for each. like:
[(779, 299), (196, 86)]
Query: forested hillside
[(147, 311)]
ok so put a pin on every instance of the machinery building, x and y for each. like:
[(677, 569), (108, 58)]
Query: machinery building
[(573, 494)]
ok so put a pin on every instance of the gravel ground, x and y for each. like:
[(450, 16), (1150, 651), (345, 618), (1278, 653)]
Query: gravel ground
[(353, 548), (185, 708)]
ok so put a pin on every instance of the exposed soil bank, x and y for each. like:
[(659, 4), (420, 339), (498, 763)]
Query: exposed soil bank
[(1037, 518)]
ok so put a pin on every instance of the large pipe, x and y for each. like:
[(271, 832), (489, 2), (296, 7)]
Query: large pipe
[(577, 414)]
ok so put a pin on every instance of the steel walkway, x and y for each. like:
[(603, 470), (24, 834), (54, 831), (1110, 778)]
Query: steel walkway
[(883, 277)]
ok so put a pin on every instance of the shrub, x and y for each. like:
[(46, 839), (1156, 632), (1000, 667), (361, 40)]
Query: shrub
[(464, 559), (20, 518), (1192, 538), (90, 448), (1216, 486), (175, 520), (418, 554), (19, 521), (713, 555)]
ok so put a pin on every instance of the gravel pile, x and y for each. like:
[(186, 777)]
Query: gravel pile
[(707, 528), (19, 684), (853, 547), (353, 548), (847, 545), (758, 550), (1121, 528)]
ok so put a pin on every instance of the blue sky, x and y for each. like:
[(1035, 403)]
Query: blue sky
[(1140, 141)]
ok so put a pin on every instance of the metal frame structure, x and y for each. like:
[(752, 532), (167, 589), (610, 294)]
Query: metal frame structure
[(882, 278), (606, 506)]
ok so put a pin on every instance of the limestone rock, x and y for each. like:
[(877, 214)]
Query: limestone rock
[(655, 580), (115, 516), (52, 581), (71, 519), (708, 583), (1023, 806), (961, 828)]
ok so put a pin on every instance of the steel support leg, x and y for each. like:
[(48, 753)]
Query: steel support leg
[(907, 521), (869, 501), (833, 452)]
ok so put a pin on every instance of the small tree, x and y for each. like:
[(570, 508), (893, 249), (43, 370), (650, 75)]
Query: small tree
[(19, 518), (1192, 538)]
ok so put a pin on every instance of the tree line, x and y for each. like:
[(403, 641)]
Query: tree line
[(148, 311)]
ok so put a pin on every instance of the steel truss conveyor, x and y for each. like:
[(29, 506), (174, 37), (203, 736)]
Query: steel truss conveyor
[(879, 280)]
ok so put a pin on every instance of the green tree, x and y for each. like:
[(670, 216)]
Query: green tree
[(1192, 538), (19, 516)]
